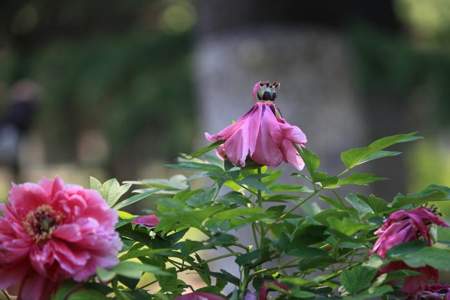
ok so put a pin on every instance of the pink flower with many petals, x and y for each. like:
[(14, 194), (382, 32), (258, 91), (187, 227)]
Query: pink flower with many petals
[(199, 296), (413, 284), (261, 135), (50, 232), (149, 220), (404, 226)]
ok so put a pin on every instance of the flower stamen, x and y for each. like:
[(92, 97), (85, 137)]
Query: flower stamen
[(41, 223)]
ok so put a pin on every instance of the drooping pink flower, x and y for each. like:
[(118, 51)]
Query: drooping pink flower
[(433, 292), (50, 232), (261, 135), (149, 220), (199, 296), (413, 284), (404, 226)]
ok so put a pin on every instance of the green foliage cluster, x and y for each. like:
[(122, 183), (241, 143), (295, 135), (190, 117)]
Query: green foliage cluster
[(325, 255)]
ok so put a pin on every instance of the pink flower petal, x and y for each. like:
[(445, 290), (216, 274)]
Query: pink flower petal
[(149, 221)]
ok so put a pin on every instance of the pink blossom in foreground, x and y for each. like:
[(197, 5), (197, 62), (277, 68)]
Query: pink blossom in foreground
[(433, 292), (50, 232), (199, 296), (404, 226), (413, 284), (149, 220), (261, 135)]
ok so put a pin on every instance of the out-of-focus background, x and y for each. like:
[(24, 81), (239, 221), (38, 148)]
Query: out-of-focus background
[(117, 88)]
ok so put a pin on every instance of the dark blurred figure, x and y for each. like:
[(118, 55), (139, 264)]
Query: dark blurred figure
[(16, 122)]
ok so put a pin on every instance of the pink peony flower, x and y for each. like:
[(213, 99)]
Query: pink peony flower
[(413, 284), (433, 292), (199, 296), (50, 232), (149, 220), (405, 226), (261, 134)]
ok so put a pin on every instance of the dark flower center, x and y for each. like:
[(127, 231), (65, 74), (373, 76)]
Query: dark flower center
[(41, 222), (267, 91)]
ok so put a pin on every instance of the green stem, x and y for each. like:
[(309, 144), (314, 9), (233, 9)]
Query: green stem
[(221, 257), (283, 216), (260, 204)]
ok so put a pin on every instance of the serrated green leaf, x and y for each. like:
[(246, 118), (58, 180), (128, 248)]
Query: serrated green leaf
[(359, 204), (134, 199), (346, 226), (312, 160), (134, 270), (206, 149), (357, 156), (95, 184), (308, 234), (418, 255), (87, 294), (357, 279), (204, 197), (432, 193), (359, 179)]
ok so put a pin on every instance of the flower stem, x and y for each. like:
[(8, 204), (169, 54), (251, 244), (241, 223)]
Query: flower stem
[(283, 216), (260, 204)]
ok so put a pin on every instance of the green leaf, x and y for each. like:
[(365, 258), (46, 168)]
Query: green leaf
[(253, 181), (134, 199), (206, 149), (134, 270), (333, 202), (357, 156), (307, 252), (174, 183), (312, 160), (105, 275), (248, 258), (325, 180), (204, 197), (111, 190), (417, 255), (357, 279), (292, 188), (359, 204), (359, 179), (443, 235), (308, 234), (372, 293), (346, 226), (95, 184), (377, 204), (64, 290), (87, 294), (432, 193)]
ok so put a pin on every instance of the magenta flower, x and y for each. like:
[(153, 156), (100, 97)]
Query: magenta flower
[(261, 135), (199, 296), (149, 220), (433, 292), (413, 284), (405, 226), (50, 232)]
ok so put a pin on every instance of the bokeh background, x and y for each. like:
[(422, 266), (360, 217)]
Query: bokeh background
[(118, 88)]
